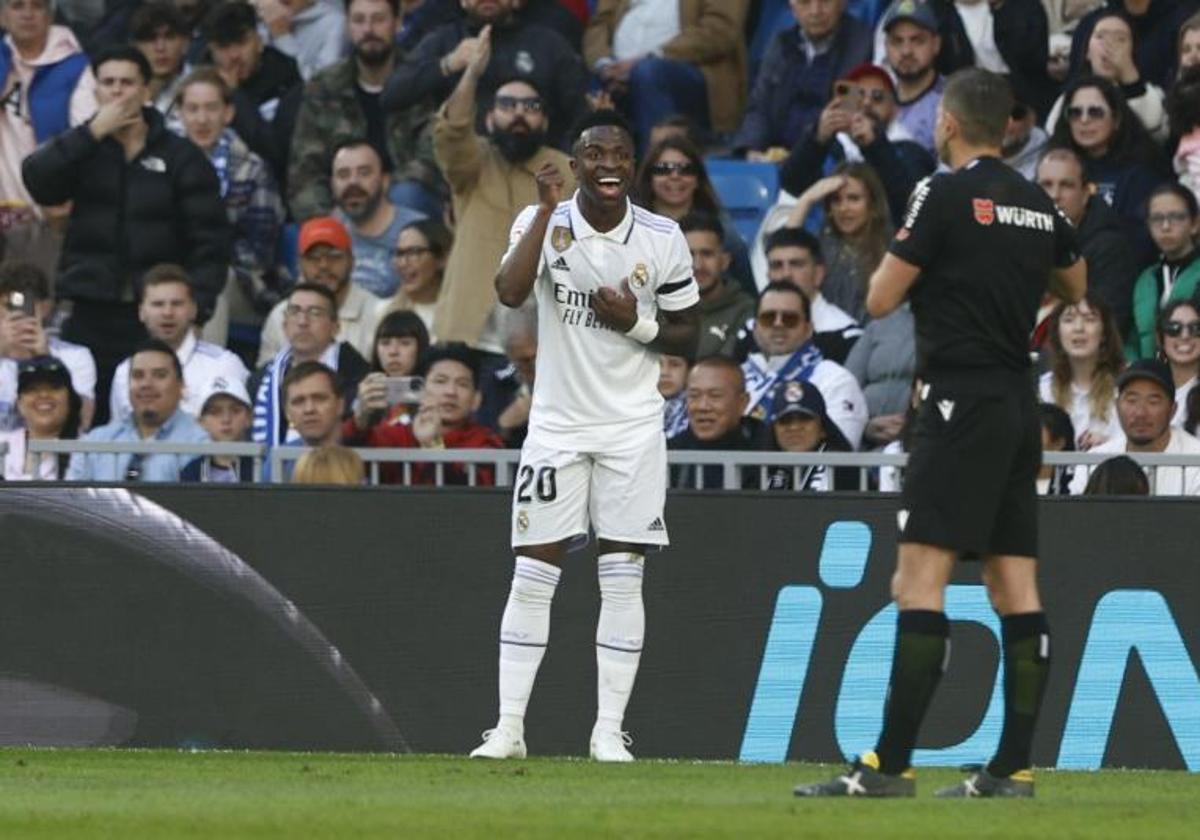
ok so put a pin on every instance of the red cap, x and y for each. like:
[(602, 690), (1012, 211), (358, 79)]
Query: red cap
[(862, 71), (324, 230)]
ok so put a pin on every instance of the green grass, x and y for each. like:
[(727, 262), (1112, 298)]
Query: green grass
[(135, 794)]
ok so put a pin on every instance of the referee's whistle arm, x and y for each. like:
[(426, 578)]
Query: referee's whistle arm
[(1070, 283), (890, 285)]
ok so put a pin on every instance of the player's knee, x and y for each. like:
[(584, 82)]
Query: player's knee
[(912, 591), (620, 578)]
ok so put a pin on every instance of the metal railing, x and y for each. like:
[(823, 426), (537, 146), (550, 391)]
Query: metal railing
[(254, 451), (503, 462)]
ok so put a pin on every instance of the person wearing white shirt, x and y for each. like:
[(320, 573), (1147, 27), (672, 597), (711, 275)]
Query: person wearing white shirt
[(1145, 404), (168, 311)]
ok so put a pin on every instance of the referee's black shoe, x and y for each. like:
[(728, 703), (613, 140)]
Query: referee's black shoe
[(982, 784), (864, 779)]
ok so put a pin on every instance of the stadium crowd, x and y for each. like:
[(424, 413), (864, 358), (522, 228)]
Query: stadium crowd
[(226, 220)]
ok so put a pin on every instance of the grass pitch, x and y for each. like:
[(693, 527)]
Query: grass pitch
[(135, 794)]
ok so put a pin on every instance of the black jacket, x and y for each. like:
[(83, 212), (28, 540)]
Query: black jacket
[(1155, 37), (749, 436), (275, 84), (162, 206), (1112, 264)]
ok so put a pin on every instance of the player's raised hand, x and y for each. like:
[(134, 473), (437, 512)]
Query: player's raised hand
[(616, 307), (550, 184)]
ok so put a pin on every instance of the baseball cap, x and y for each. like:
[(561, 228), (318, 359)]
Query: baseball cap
[(1149, 369), (42, 369), (914, 11), (228, 387), (798, 398), (324, 230), (867, 69)]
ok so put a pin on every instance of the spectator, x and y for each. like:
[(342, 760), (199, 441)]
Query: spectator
[(884, 363), (1188, 44), (1111, 266), (1118, 476), (25, 336), (508, 396), (1119, 156), (1156, 28), (326, 259), (264, 81), (783, 332), (422, 250), (1110, 56), (46, 87), (517, 50), (491, 180), (1024, 142), (676, 125), (401, 342), (310, 325), (1174, 222), (225, 414), (1179, 338), (859, 124), (155, 389), (673, 182), (717, 422), (797, 74), (442, 422), (168, 312), (248, 190), (1010, 38), (1058, 435), (313, 32), (1145, 405), (856, 232), (686, 57), (1183, 105), (360, 192), (672, 387), (1085, 361), (802, 425), (567, 17), (50, 410), (315, 403), (140, 196), (1193, 412), (330, 465), (161, 32), (343, 102), (723, 306), (912, 46)]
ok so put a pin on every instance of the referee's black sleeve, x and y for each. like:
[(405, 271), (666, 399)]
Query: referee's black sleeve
[(921, 236), (1066, 242)]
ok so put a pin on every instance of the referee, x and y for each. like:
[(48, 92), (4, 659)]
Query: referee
[(977, 249)]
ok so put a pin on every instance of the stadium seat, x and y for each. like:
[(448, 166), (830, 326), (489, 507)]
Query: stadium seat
[(746, 190), (287, 250)]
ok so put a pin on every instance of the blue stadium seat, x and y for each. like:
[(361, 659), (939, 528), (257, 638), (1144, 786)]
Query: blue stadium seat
[(747, 191), (287, 250)]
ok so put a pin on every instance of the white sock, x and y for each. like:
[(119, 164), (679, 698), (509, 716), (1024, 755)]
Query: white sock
[(524, 632), (619, 635)]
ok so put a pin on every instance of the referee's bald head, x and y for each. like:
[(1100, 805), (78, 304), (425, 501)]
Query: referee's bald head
[(981, 103)]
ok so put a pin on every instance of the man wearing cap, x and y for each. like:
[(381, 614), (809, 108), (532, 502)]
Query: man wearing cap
[(1145, 404), (859, 124), (49, 409), (225, 414), (802, 425), (912, 45), (155, 390), (168, 311), (327, 259)]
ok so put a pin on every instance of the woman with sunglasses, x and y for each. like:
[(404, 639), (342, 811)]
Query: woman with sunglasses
[(1173, 217), (1179, 338), (419, 260), (50, 410)]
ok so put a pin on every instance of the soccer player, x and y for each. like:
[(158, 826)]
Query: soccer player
[(975, 253), (614, 288)]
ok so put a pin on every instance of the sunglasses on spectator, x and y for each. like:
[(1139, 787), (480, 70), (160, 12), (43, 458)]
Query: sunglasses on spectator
[(405, 253), (1175, 329), (1075, 113), (313, 313), (530, 104), (769, 318), (845, 90), (674, 167), (1175, 217)]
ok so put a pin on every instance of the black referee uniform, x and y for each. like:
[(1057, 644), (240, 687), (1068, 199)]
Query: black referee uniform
[(986, 241)]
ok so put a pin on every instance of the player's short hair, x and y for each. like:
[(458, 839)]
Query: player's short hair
[(123, 52), (157, 345), (148, 19), (204, 76), (982, 102), (595, 119), (705, 222), (718, 362), (454, 351), (1057, 152), (788, 289), (317, 289), (164, 273), (26, 278), (303, 370), (794, 237), (229, 23)]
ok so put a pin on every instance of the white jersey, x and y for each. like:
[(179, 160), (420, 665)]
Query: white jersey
[(79, 364), (593, 383), (202, 363)]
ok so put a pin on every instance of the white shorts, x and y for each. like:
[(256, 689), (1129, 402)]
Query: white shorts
[(619, 493)]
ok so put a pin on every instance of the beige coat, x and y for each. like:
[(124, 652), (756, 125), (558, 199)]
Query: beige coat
[(712, 37)]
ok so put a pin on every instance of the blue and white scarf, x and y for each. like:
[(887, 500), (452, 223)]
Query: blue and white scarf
[(220, 160), (269, 419), (762, 382), (675, 416)]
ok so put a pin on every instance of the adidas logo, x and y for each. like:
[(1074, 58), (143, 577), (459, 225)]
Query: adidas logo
[(560, 264), (657, 525)]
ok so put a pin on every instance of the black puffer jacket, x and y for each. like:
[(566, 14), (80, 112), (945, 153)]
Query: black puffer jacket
[(162, 206)]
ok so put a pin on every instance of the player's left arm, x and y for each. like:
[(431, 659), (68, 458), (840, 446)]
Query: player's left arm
[(890, 285), (678, 332)]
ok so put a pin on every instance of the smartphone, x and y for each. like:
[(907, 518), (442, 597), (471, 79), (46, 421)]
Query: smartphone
[(404, 390), (849, 96), (21, 302)]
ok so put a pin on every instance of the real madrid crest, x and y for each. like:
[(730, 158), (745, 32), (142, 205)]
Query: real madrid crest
[(561, 238), (793, 392), (522, 521), (639, 277)]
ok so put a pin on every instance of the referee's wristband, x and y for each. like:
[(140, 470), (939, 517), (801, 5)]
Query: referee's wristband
[(644, 331)]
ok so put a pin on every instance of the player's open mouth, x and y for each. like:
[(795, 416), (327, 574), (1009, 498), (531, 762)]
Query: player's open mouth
[(609, 187)]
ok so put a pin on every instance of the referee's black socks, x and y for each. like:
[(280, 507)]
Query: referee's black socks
[(922, 651), (1026, 666)]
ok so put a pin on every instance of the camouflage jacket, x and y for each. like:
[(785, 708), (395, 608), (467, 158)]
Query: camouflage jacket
[(330, 113)]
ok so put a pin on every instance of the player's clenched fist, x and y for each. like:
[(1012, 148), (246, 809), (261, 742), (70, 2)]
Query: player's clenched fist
[(550, 184), (616, 307)]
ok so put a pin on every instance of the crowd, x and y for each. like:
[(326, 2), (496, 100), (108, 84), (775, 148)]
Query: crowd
[(226, 220)]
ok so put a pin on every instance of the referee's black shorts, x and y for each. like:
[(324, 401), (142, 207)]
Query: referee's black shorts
[(975, 454)]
